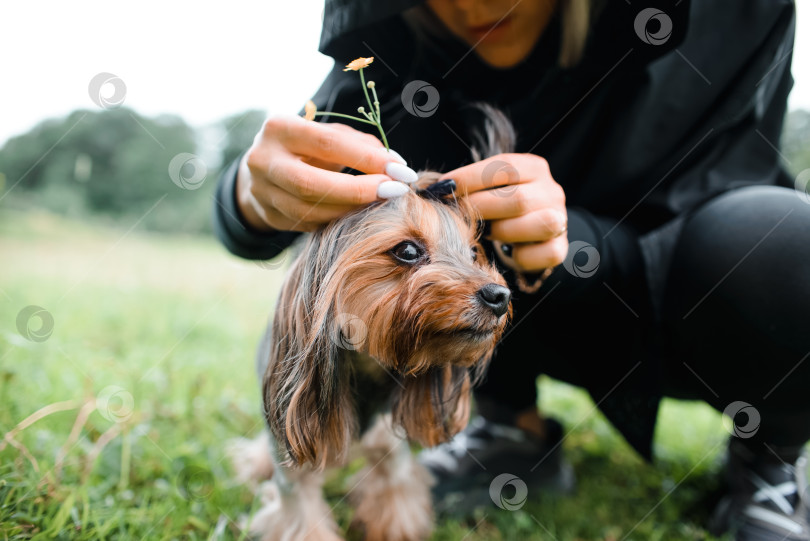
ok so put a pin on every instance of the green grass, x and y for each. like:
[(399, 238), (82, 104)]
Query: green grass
[(166, 327)]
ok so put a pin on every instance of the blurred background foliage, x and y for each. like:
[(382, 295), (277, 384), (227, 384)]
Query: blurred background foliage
[(112, 165), (796, 141)]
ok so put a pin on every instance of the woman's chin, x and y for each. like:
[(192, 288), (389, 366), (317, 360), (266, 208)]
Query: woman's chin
[(502, 56)]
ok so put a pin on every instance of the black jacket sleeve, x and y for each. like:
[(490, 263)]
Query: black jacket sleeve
[(233, 230)]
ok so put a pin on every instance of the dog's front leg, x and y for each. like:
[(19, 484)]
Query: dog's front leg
[(392, 492)]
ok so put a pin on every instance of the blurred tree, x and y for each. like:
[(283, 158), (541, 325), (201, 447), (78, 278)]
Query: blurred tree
[(796, 141), (240, 130), (116, 161), (112, 162)]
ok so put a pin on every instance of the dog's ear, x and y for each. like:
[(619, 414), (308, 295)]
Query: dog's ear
[(434, 405), (306, 387)]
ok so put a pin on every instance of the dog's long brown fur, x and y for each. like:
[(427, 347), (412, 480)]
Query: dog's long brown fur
[(412, 317)]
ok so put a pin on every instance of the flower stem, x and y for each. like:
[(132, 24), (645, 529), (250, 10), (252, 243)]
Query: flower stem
[(379, 115), (372, 108), (341, 115), (376, 102), (365, 90), (384, 138)]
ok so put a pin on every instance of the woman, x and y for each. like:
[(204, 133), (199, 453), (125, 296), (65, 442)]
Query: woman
[(647, 178)]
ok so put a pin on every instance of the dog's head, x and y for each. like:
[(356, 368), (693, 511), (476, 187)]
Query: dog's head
[(404, 281)]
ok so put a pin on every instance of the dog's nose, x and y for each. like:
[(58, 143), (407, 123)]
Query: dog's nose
[(495, 297)]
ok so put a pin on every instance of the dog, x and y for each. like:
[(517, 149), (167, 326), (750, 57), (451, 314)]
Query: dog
[(385, 321)]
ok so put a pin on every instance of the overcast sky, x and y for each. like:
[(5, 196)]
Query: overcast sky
[(202, 61)]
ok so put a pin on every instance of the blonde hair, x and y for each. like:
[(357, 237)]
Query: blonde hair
[(575, 21)]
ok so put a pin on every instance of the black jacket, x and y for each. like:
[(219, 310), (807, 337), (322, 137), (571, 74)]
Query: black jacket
[(638, 133)]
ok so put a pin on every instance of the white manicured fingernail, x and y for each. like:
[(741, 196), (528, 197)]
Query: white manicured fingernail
[(397, 156), (391, 189), (400, 172)]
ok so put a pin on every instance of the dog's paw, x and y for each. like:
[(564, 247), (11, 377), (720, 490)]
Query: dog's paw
[(251, 459), (299, 516), (394, 507)]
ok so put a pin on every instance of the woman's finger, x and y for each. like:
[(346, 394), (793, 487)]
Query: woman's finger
[(362, 137), (278, 221), (515, 200), (537, 256), (330, 144), (352, 132), (499, 170), (537, 226), (317, 185), (298, 211)]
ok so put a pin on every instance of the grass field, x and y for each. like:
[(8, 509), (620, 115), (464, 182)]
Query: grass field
[(148, 372)]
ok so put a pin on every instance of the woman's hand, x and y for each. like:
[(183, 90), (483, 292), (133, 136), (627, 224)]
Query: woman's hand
[(525, 205), (289, 180)]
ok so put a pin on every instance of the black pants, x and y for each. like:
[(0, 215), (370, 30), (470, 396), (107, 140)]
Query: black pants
[(734, 325)]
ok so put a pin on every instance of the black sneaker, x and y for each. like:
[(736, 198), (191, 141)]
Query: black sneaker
[(766, 501), (465, 467)]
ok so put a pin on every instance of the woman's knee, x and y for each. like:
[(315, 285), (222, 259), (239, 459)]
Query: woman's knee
[(750, 210), (743, 262)]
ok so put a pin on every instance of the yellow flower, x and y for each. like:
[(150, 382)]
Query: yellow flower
[(309, 110), (359, 63)]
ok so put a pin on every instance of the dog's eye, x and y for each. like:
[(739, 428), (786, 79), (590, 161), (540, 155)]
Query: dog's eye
[(408, 252), (474, 252)]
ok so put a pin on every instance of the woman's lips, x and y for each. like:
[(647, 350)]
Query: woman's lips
[(491, 31)]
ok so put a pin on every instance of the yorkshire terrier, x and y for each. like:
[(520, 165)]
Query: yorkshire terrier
[(385, 320)]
